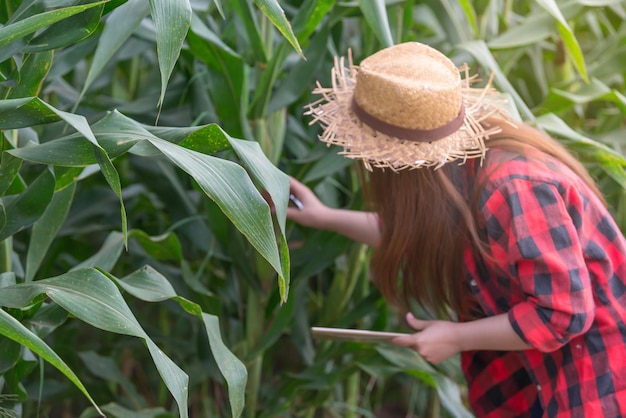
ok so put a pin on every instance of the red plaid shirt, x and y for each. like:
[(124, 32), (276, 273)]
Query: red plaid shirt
[(558, 269)]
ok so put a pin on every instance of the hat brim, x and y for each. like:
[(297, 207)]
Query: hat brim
[(333, 111)]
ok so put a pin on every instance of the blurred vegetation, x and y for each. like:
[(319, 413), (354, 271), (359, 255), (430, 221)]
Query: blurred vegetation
[(142, 273)]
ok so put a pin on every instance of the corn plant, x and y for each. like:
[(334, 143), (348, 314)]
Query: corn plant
[(142, 271)]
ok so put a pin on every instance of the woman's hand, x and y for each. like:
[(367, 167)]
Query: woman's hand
[(436, 340), (357, 225), (439, 340), (313, 213)]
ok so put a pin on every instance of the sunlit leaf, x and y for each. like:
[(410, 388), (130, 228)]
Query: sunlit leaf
[(9, 168), (470, 14), (32, 74), (21, 28), (272, 10), (206, 140), (25, 112), (67, 32)]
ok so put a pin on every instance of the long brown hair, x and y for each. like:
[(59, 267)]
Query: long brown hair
[(427, 222)]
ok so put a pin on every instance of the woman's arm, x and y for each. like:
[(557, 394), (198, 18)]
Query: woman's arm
[(439, 340), (356, 225)]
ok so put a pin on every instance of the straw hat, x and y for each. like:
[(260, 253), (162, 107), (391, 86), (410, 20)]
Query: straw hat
[(405, 106)]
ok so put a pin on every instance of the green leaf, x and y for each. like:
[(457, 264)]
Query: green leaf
[(612, 162), (24, 209), (33, 72), (199, 28), (172, 19), (375, 14), (149, 285), (571, 44), (9, 169), (272, 10), (10, 354), (481, 53), (68, 152), (119, 411), (46, 228), (70, 31), (119, 26), (206, 170), (107, 255), (552, 123), (14, 31), (528, 32), (25, 112), (292, 87), (107, 369), (264, 90), (113, 179), (90, 296), (162, 247), (230, 187), (310, 14), (413, 364), (233, 370), (207, 139), (276, 184), (18, 10), (109, 172), (247, 16), (470, 14), (79, 123), (11, 328), (227, 80)]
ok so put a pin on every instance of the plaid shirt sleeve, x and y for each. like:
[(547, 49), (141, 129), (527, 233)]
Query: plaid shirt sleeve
[(541, 249)]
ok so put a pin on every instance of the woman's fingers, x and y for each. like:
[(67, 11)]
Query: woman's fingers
[(416, 324)]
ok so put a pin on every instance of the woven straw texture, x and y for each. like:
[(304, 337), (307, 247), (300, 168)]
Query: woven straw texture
[(411, 86)]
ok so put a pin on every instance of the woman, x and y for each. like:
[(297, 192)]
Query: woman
[(486, 222)]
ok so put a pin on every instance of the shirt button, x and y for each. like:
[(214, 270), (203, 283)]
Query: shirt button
[(473, 282), (538, 387)]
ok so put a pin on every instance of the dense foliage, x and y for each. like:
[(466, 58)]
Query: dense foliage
[(142, 272)]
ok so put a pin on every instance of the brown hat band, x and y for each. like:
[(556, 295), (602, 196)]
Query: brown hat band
[(418, 135)]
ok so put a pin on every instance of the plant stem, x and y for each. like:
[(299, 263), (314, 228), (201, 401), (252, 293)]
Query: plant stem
[(254, 327), (6, 248), (352, 395)]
